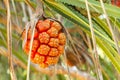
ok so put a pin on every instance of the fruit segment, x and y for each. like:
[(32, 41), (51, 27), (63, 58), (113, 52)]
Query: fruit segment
[(62, 38), (53, 52), (48, 43), (56, 25), (44, 37), (54, 42), (43, 49), (53, 32), (43, 25), (38, 58)]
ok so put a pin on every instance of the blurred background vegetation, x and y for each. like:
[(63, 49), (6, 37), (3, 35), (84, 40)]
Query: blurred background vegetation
[(92, 50)]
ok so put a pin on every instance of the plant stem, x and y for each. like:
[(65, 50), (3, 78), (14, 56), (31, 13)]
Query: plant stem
[(97, 65), (9, 41)]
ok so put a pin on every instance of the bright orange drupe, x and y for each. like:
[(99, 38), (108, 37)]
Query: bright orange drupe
[(48, 43)]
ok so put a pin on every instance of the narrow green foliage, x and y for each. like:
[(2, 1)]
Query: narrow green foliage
[(71, 15), (106, 50), (111, 10)]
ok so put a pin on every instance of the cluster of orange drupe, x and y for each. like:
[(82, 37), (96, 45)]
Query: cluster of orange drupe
[(48, 43)]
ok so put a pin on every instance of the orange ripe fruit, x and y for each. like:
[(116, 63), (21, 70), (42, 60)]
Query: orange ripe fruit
[(38, 58), (53, 32), (62, 38), (29, 34), (51, 60), (53, 52), (54, 42), (115, 2), (43, 49), (48, 43), (44, 37), (60, 49), (56, 25), (35, 45), (43, 25)]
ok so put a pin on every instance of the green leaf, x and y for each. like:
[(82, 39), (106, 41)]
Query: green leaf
[(96, 6), (61, 77), (71, 15), (109, 55), (103, 25)]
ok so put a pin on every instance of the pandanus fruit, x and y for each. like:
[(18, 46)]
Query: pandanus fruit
[(48, 42)]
